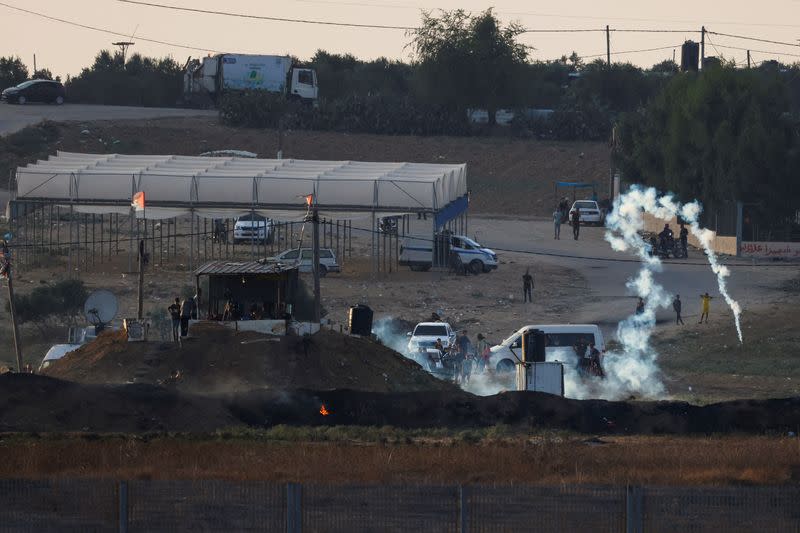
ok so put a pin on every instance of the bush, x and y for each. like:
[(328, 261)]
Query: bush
[(379, 114), (62, 302)]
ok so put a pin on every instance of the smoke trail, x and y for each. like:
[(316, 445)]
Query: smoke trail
[(635, 369), (690, 212)]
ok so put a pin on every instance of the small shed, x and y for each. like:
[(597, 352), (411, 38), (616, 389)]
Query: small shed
[(268, 286)]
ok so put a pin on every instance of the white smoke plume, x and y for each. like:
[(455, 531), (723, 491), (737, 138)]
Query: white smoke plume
[(634, 369)]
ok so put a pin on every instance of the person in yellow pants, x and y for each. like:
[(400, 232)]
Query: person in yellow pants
[(706, 305)]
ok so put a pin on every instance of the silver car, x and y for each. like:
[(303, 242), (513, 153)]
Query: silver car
[(327, 259)]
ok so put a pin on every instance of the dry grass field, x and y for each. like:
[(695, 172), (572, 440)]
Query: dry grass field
[(384, 455)]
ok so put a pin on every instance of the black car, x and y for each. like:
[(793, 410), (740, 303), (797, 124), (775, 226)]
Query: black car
[(35, 91)]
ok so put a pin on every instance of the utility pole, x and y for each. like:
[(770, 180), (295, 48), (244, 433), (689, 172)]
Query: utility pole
[(140, 308), (608, 46), (748, 59), (123, 49), (13, 311), (34, 65), (702, 47), (317, 302)]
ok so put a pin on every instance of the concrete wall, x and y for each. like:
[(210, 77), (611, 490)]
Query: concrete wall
[(720, 244)]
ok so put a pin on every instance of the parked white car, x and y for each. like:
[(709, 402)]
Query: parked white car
[(558, 337), (425, 335), (327, 259), (252, 227), (56, 352), (590, 212), (416, 252)]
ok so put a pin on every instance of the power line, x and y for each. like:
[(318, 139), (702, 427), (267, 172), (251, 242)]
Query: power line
[(261, 17), (745, 38), (632, 51), (759, 51), (106, 31)]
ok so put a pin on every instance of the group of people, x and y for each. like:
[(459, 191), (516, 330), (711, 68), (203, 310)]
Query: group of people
[(562, 214), (461, 358), (666, 241), (590, 359), (677, 306), (181, 312)]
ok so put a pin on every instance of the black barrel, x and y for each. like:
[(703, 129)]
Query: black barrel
[(360, 320), (533, 346)]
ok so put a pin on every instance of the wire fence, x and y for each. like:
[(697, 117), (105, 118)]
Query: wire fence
[(213, 505)]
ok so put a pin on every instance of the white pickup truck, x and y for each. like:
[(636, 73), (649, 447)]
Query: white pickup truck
[(425, 335), (416, 252), (252, 227)]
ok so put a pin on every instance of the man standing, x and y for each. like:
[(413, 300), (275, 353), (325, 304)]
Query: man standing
[(527, 286), (684, 236), (706, 305), (174, 311), (677, 305), (576, 223), (640, 307), (557, 224)]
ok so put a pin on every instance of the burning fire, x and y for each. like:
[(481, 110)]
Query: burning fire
[(323, 411)]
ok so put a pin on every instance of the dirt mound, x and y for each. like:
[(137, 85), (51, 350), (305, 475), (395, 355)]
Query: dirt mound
[(221, 360), (528, 409), (41, 404)]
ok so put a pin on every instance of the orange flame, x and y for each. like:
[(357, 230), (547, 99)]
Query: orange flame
[(323, 411)]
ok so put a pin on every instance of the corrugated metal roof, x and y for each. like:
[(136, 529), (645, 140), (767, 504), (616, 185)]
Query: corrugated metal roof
[(234, 268)]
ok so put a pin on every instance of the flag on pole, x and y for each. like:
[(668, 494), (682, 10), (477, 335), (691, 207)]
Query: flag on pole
[(309, 200), (138, 201)]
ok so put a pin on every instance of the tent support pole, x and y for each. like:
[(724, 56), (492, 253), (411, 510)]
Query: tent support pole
[(191, 239)]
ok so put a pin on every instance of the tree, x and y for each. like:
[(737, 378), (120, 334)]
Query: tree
[(12, 72), (43, 74), (61, 303), (720, 136), (469, 60)]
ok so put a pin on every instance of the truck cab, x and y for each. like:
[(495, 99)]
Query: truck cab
[(303, 84)]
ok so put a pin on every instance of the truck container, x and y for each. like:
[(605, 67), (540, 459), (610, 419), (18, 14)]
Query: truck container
[(206, 79)]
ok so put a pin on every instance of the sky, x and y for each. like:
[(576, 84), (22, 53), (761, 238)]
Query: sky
[(65, 49)]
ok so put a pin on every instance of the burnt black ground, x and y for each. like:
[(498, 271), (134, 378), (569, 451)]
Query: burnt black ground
[(30, 403)]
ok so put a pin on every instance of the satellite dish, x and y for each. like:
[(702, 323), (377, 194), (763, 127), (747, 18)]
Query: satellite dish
[(100, 307)]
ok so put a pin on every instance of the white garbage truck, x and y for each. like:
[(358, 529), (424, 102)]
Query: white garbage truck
[(420, 253), (206, 79)]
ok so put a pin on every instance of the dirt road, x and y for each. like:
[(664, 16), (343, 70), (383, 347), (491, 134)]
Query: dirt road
[(16, 117)]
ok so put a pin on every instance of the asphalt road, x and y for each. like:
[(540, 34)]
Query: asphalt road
[(520, 243), (16, 117)]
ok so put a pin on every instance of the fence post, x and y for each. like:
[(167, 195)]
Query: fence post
[(634, 516), (463, 509), (294, 516), (123, 507)]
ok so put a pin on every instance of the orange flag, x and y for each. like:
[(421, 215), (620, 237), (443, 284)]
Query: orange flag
[(309, 200), (138, 201)]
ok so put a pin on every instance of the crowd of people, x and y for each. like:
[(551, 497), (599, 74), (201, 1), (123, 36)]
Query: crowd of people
[(461, 358)]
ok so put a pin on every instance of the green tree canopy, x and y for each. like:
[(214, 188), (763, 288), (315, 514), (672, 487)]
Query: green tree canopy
[(720, 136), (470, 60), (12, 72)]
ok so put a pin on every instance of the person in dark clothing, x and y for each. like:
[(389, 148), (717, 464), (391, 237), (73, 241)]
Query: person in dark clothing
[(527, 286), (684, 236), (640, 307), (174, 311), (576, 223), (677, 306)]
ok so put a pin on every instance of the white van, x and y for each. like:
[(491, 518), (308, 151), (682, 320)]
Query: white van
[(557, 337), (416, 252)]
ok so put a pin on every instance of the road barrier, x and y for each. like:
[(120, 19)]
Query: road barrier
[(213, 505)]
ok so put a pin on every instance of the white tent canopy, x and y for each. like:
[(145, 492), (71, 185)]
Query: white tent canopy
[(106, 182)]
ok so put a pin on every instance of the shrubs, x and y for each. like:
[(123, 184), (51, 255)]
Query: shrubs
[(380, 114), (61, 302)]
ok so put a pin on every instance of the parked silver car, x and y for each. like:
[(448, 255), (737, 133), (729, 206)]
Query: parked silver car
[(327, 259)]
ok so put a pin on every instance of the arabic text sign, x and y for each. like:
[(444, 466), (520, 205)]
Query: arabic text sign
[(788, 250)]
